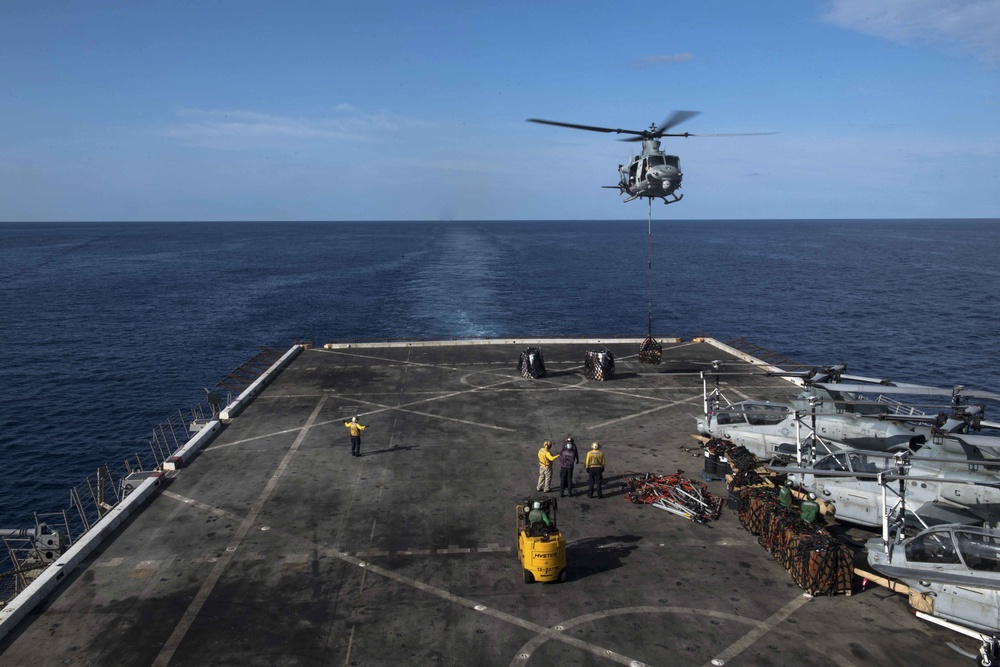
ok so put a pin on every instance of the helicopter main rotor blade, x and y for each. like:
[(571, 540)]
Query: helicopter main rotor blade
[(676, 118), (591, 128), (657, 135), (737, 134), (887, 476), (914, 390)]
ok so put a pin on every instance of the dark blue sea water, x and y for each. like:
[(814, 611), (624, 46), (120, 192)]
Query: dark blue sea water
[(105, 329)]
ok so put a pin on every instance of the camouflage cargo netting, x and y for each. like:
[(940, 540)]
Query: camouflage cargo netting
[(531, 364), (599, 364), (650, 351)]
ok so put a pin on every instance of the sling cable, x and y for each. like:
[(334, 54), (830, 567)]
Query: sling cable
[(650, 351)]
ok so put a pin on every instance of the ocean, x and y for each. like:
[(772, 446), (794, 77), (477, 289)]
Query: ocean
[(108, 328)]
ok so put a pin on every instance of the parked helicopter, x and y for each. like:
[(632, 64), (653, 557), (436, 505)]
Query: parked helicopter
[(952, 567), (775, 430), (830, 416), (919, 491), (653, 174), (953, 576)]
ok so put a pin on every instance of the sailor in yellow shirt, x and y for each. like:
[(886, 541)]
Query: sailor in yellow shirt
[(356, 429), (595, 466), (545, 459)]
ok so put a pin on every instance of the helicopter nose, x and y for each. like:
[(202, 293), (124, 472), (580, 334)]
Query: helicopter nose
[(665, 173)]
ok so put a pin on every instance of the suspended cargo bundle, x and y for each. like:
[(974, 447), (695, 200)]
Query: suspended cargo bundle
[(599, 364), (531, 364), (650, 351)]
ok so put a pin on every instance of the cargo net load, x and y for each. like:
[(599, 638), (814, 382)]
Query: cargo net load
[(650, 351), (675, 494), (531, 364), (599, 364), (817, 561)]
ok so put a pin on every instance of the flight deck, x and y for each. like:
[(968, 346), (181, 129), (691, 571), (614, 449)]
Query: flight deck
[(272, 545)]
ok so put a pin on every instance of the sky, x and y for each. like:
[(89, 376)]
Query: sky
[(408, 110)]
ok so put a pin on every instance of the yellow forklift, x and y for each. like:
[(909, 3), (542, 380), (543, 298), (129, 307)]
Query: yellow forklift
[(541, 547)]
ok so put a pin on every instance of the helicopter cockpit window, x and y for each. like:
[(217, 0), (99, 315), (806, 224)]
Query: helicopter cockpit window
[(654, 161), (979, 551), (873, 464), (834, 462), (671, 161), (935, 547), (729, 418), (762, 414)]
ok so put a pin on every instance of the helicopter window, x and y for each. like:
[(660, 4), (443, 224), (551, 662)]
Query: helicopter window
[(671, 161), (729, 418), (936, 547), (861, 463), (980, 552), (835, 462), (873, 464), (654, 161), (759, 414)]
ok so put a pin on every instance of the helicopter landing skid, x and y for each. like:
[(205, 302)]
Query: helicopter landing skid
[(676, 198)]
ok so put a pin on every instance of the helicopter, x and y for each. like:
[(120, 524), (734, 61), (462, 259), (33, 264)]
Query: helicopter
[(652, 174), (930, 488), (830, 416), (953, 576)]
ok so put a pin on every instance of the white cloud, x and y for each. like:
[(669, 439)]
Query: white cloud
[(243, 129), (970, 26)]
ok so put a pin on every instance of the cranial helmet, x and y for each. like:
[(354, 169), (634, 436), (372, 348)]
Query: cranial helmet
[(354, 419), (547, 444), (595, 446), (536, 505)]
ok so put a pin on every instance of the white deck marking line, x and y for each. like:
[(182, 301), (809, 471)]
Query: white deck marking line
[(523, 655), (389, 574), (256, 437), (385, 408), (749, 638), (644, 412), (350, 642), (405, 362), (382, 408), (740, 393), (180, 631), (491, 547), (371, 538), (543, 633), (557, 632), (510, 378)]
